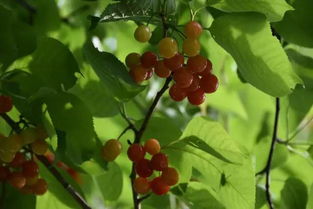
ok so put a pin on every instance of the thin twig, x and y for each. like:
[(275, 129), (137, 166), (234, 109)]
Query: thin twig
[(79, 199), (130, 124), (123, 132), (300, 129)]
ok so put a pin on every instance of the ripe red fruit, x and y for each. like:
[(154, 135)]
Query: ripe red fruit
[(148, 59), (207, 70), (209, 83), (193, 29), (197, 97), (132, 59), (4, 173), (149, 73), (136, 152), (141, 185), (170, 176), (30, 169), (174, 62), (138, 73), (183, 78), (18, 160), (159, 162), (194, 85), (17, 180), (152, 146), (5, 104), (143, 168), (161, 70), (159, 187), (177, 93), (40, 187), (197, 63), (111, 150)]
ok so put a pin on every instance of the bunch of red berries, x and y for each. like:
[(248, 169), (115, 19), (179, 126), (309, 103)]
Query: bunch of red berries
[(144, 168), (193, 79)]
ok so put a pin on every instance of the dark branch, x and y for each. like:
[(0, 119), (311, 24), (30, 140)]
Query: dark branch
[(80, 200)]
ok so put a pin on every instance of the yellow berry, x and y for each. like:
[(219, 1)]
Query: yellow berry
[(168, 47), (111, 150), (142, 33), (39, 147), (191, 47)]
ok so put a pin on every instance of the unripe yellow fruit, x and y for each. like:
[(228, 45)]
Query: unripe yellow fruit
[(191, 47), (142, 33), (168, 47), (111, 150), (29, 135), (39, 147)]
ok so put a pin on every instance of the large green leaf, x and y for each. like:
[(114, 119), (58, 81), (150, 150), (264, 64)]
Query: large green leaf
[(297, 27), (53, 65), (112, 73), (310, 203), (12, 198), (294, 194), (273, 10), (260, 58)]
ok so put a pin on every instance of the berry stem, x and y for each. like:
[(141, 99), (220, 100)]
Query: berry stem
[(79, 199)]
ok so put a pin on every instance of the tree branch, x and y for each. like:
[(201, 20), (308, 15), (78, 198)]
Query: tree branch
[(79, 199)]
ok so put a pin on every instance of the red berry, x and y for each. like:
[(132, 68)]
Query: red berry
[(193, 29), (159, 162), (196, 64), (170, 176), (197, 97), (4, 173), (5, 104), (183, 78), (159, 187), (136, 152), (132, 59), (30, 169), (148, 59), (40, 187), (161, 70), (209, 83), (18, 160), (17, 180), (152, 146), (143, 168), (174, 62), (194, 85), (207, 70), (177, 93), (141, 185), (149, 73), (138, 73)]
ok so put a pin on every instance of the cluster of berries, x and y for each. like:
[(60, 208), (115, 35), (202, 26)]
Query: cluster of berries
[(192, 80), (144, 168), (17, 165)]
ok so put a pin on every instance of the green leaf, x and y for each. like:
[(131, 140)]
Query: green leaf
[(53, 65), (260, 199), (294, 194), (310, 203), (260, 58), (112, 73), (273, 10), (15, 199), (296, 27)]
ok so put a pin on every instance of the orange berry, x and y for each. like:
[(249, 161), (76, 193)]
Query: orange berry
[(168, 47), (39, 147), (40, 187), (132, 59), (111, 150), (138, 73), (141, 185), (29, 135), (152, 146), (191, 47), (170, 176), (142, 33), (193, 29), (17, 180)]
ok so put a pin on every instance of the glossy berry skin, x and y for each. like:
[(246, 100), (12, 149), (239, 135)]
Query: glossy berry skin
[(177, 93), (143, 168), (209, 83), (136, 152), (14, 143), (150, 72), (148, 59), (197, 97), (170, 176), (161, 70), (31, 181), (193, 29), (6, 104), (18, 160), (207, 70), (132, 59), (111, 150), (168, 47), (29, 135), (40, 187), (39, 147), (7, 157), (197, 63), (141, 185), (159, 162), (191, 47), (174, 62), (152, 146), (138, 73), (142, 33), (30, 169), (183, 78), (17, 180), (4, 173), (159, 187), (194, 85)]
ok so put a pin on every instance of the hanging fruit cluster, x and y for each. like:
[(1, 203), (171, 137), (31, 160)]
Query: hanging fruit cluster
[(193, 79), (18, 166), (144, 168)]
